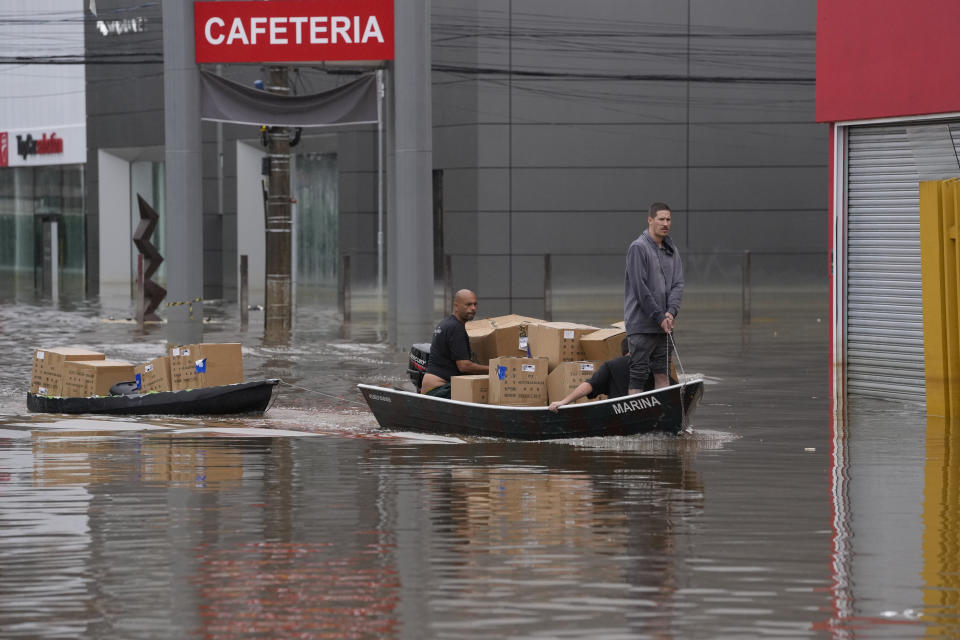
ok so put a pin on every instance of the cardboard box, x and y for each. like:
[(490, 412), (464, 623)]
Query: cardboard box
[(502, 336), (154, 375), (604, 344), (470, 388), (620, 325), (479, 352), (85, 378), (518, 382), (567, 377), (47, 378), (206, 364), (558, 341)]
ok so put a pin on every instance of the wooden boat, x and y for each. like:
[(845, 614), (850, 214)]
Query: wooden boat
[(244, 397), (668, 409)]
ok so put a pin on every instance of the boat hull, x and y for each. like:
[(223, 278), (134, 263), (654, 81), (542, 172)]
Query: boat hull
[(667, 410), (245, 397)]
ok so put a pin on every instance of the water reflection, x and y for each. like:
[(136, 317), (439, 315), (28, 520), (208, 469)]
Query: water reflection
[(941, 520), (896, 523), (90, 457), (529, 534), (155, 533)]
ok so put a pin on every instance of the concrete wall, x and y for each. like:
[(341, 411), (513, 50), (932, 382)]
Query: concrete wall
[(555, 140)]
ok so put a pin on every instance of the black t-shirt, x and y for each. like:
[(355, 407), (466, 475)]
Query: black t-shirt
[(450, 343), (611, 379)]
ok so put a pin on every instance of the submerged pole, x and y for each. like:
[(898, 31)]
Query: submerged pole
[(745, 288), (279, 224), (54, 260), (140, 291), (547, 288), (244, 293)]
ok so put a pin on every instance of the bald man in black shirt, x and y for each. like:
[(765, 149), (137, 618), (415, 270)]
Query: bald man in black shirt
[(450, 348)]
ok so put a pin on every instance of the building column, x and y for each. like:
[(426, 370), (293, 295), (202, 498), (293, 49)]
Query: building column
[(184, 210), (410, 225)]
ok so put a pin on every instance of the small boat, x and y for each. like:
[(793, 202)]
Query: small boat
[(243, 397), (668, 409)]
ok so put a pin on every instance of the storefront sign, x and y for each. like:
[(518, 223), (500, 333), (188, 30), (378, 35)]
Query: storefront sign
[(28, 146), (293, 30), (56, 145)]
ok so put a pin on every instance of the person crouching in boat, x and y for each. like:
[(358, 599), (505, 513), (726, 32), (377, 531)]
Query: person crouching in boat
[(450, 348), (611, 379)]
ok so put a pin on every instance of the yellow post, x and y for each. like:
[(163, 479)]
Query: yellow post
[(951, 287), (932, 265), (940, 265)]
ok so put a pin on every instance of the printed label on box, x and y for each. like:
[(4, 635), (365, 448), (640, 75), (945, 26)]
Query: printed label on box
[(40, 355), (176, 351), (528, 367), (42, 391), (523, 342), (586, 366), (148, 368), (568, 334)]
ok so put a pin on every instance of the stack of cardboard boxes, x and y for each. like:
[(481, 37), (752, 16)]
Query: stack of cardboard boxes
[(72, 372), (48, 368), (532, 362)]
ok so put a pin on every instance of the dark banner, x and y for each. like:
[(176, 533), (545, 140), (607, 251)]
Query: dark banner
[(223, 100)]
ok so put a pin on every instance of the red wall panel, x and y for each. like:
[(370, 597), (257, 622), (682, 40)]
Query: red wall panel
[(885, 58)]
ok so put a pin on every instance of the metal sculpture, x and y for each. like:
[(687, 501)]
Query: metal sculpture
[(152, 292)]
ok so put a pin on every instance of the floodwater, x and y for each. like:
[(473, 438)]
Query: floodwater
[(768, 521)]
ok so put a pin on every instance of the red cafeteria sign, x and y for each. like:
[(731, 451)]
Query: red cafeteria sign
[(293, 30)]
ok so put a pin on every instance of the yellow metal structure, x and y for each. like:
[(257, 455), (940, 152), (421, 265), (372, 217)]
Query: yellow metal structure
[(940, 268)]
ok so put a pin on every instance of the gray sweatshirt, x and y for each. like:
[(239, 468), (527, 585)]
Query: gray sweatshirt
[(653, 284)]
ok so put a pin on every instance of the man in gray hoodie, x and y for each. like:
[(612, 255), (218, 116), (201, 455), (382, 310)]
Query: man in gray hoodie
[(653, 291)]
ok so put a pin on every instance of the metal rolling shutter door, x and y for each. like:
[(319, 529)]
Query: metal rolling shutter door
[(884, 327)]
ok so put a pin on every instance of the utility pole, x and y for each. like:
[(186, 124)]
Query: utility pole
[(279, 223)]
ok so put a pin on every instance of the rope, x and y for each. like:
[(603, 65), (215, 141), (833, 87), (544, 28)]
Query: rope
[(683, 375), (321, 393), (676, 354)]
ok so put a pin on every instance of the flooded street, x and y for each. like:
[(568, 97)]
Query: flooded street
[(311, 522)]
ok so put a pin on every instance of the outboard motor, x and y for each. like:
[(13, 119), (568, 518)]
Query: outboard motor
[(419, 356), (130, 388)]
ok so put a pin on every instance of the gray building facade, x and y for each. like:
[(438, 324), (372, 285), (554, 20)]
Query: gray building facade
[(558, 123), (555, 124)]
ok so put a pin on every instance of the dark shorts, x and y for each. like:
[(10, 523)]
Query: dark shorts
[(443, 391), (649, 352)]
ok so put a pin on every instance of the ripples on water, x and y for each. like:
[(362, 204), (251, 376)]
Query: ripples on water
[(311, 522), (127, 530)]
